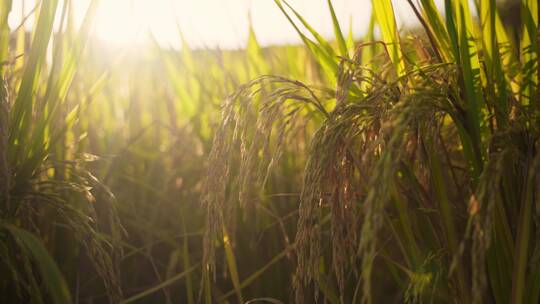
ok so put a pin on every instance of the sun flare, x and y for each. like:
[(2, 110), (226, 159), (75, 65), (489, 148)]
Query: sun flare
[(121, 21)]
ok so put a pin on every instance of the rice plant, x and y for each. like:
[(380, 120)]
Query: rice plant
[(47, 193), (423, 164)]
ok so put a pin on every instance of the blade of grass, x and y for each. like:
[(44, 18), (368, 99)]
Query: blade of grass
[(5, 8), (342, 45), (447, 219), (49, 272), (384, 13), (529, 56), (24, 102), (350, 37), (322, 52), (469, 80), (497, 79), (436, 24), (231, 263), (523, 240), (159, 286), (187, 264), (255, 53), (258, 273)]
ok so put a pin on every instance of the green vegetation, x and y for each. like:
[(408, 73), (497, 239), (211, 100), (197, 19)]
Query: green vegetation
[(399, 168)]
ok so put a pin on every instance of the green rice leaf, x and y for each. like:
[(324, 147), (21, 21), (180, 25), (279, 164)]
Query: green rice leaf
[(24, 102), (255, 54), (342, 45), (233, 268), (159, 286), (435, 21), (322, 51), (529, 55), (5, 8), (384, 13), (52, 278)]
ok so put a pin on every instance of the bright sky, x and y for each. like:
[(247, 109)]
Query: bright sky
[(223, 23)]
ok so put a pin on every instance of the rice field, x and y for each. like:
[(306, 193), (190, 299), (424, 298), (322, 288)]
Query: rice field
[(399, 167)]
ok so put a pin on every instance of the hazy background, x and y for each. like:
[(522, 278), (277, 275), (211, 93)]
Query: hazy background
[(217, 23)]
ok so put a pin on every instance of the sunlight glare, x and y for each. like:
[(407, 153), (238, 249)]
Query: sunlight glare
[(120, 21), (212, 23)]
